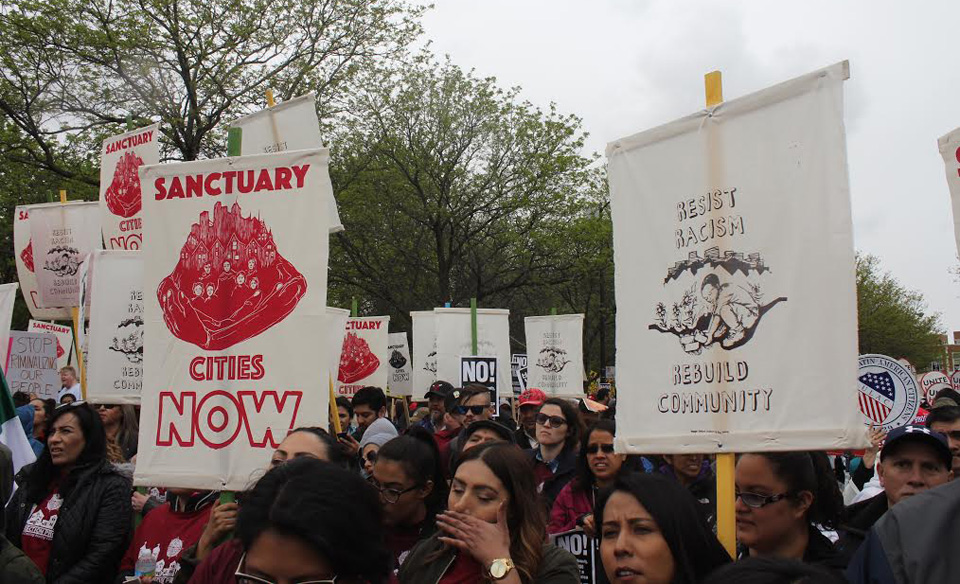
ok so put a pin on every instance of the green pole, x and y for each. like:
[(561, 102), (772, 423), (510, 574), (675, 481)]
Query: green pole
[(553, 311), (473, 324), (354, 307)]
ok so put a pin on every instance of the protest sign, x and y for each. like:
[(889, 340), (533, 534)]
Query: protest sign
[(31, 365), (424, 352), (887, 392), (334, 331), (454, 340), (955, 380), (950, 151), (121, 157), (932, 383), (738, 318), (115, 375), (26, 269), (518, 373), (235, 282), (556, 346), (363, 359), (63, 334), (8, 296), (291, 125), (478, 370), (584, 548), (400, 380), (63, 236)]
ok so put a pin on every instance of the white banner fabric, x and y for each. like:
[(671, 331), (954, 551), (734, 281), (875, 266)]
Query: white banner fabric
[(63, 236), (950, 151), (120, 193), (115, 369), (26, 269), (31, 364), (291, 125), (235, 289), (400, 380), (555, 347), (334, 331), (8, 296), (454, 340), (63, 334), (424, 352), (363, 358), (733, 246)]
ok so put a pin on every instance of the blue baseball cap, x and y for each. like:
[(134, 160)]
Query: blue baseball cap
[(922, 434)]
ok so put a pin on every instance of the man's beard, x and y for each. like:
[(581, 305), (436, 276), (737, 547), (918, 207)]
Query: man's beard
[(436, 417)]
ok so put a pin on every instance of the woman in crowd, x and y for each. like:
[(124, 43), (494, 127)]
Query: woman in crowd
[(122, 428), (694, 473), (782, 499), (43, 411), (412, 490), (555, 459), (345, 413), (379, 433), (651, 531), (310, 521), (71, 514), (493, 527), (597, 468)]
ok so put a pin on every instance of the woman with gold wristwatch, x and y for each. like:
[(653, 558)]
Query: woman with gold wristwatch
[(493, 530)]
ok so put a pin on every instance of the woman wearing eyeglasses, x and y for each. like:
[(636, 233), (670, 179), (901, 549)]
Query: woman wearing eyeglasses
[(782, 498), (597, 468), (311, 522), (555, 459), (71, 513), (493, 529)]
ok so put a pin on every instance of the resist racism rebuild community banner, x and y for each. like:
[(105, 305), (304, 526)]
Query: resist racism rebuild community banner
[(400, 379), (733, 246), (555, 346), (950, 151), (234, 287), (8, 296), (62, 333), (424, 352), (63, 236), (363, 358), (291, 125), (120, 194), (26, 268), (115, 369), (454, 341)]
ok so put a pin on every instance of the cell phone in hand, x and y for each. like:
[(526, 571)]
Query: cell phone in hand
[(342, 435)]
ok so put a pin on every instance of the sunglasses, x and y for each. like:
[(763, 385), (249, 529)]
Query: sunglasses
[(551, 421), (248, 579), (106, 406), (371, 457), (757, 501), (595, 448), (475, 410)]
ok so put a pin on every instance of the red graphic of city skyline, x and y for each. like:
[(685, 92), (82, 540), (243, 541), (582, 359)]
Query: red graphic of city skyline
[(27, 256), (357, 361), (123, 194)]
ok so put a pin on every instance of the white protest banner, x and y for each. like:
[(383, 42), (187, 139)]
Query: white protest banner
[(63, 236), (955, 379), (363, 359), (887, 392), (26, 269), (63, 334), (334, 331), (235, 289), (290, 125), (480, 370), (120, 194), (115, 372), (31, 365), (932, 383), (733, 246), (8, 296), (518, 373), (584, 548), (454, 340), (424, 352), (555, 344), (400, 381), (950, 151)]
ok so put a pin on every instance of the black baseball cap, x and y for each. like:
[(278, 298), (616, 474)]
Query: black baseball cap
[(439, 389), (904, 434), (452, 399)]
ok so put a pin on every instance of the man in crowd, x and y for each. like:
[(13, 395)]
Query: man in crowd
[(436, 396), (474, 406), (69, 383), (450, 428), (946, 420), (369, 405), (530, 402), (913, 459)]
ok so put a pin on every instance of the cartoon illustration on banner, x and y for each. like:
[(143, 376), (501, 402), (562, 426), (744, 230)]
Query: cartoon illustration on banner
[(121, 197)]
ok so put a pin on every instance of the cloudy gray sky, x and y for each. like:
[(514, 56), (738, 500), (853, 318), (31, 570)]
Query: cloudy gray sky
[(628, 65)]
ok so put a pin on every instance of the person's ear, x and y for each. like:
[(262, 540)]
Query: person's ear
[(426, 489), (382, 413), (804, 500), (879, 470)]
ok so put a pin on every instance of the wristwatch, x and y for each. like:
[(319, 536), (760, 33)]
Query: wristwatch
[(500, 567)]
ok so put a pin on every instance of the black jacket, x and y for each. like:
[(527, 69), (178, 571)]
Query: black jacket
[(820, 552), (862, 516), (523, 441), (93, 525), (566, 471)]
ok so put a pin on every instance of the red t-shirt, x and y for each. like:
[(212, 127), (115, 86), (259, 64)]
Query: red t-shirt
[(37, 537), (166, 533), (220, 566), (465, 570)]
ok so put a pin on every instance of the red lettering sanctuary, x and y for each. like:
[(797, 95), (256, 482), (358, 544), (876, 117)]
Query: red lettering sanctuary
[(228, 182)]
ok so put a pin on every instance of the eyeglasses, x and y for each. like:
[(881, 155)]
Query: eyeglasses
[(371, 457), (756, 500), (390, 496), (475, 410), (594, 448), (248, 579), (106, 406), (550, 421)]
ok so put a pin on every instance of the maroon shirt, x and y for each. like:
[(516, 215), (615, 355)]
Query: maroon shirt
[(220, 566)]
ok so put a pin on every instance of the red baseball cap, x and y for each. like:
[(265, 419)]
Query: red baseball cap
[(533, 397)]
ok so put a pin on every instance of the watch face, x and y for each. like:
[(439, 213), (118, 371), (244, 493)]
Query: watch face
[(498, 569)]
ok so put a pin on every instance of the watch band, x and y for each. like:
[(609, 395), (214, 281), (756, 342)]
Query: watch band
[(499, 568)]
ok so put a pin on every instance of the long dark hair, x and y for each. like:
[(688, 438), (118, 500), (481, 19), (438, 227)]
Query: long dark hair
[(334, 452), (417, 453), (525, 515), (94, 452), (574, 425), (585, 479), (332, 509), (810, 471), (696, 550)]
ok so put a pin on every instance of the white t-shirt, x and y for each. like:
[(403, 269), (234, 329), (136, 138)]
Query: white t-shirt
[(75, 391)]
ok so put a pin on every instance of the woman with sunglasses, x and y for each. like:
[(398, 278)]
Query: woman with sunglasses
[(555, 459), (120, 424), (597, 468), (311, 522), (412, 490), (782, 499), (71, 513), (493, 529), (379, 433)]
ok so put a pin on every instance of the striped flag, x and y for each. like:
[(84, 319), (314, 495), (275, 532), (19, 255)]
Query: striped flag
[(873, 408), (11, 430), (876, 404)]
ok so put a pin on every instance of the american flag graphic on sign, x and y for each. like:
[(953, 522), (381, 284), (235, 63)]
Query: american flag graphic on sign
[(876, 404)]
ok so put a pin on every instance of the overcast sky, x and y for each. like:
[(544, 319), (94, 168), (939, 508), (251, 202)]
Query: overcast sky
[(628, 65)]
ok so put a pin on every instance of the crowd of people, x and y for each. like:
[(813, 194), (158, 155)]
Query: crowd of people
[(466, 491)]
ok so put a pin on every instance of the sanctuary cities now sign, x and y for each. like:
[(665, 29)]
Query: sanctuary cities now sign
[(736, 325)]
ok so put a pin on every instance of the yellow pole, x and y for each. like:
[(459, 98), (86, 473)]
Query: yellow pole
[(726, 485), (270, 102), (334, 412), (75, 313)]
